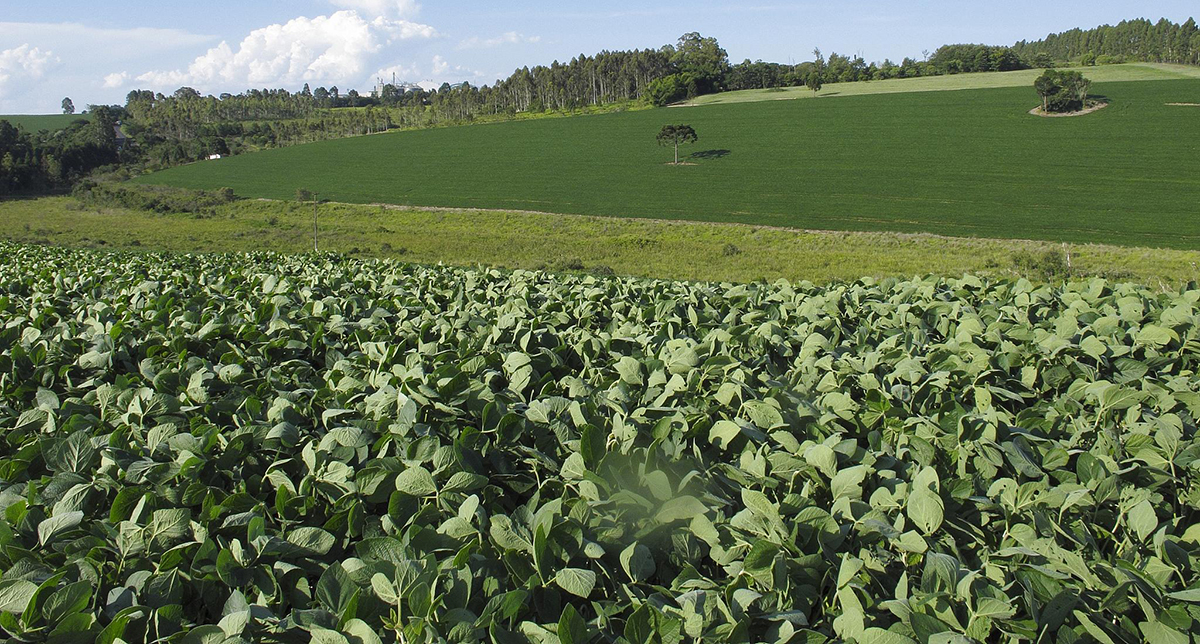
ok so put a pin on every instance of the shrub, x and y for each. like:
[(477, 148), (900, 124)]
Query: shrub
[(160, 199), (1049, 264), (667, 90), (1062, 91)]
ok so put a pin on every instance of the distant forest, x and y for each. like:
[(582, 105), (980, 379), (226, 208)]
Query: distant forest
[(158, 130), (1130, 41)]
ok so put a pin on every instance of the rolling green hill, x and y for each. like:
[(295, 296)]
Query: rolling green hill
[(988, 80), (39, 122), (965, 163)]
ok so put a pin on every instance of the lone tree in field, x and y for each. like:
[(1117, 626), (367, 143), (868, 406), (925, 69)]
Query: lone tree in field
[(68, 106), (1062, 91), (677, 135), (816, 77)]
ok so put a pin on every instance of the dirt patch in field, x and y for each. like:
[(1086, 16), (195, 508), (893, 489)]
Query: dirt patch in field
[(1184, 104), (1037, 111)]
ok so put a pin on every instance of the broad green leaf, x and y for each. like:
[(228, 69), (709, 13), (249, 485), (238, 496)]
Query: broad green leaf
[(416, 481), (577, 581), (638, 562), (1143, 520), (52, 527), (15, 595)]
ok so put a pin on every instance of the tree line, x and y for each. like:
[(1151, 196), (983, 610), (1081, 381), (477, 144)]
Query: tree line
[(49, 161), (1130, 41)]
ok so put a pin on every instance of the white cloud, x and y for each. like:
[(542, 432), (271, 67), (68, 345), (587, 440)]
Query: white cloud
[(389, 8), (509, 38), (440, 66), (324, 49), (403, 73), (22, 65), (117, 80), (82, 57)]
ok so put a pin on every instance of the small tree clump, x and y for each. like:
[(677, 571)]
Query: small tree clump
[(1062, 91)]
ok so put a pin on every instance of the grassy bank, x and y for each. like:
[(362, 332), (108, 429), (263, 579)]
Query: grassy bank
[(651, 248)]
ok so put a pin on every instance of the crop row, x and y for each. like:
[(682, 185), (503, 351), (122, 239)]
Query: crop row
[(283, 449)]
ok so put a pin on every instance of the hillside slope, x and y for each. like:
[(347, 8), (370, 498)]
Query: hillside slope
[(987, 80), (968, 163)]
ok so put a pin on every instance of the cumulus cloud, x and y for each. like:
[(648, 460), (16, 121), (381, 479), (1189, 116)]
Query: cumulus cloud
[(117, 80), (403, 73), (319, 50), (509, 38), (23, 64), (389, 8)]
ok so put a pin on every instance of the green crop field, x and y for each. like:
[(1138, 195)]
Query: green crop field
[(263, 448), (39, 122), (965, 163), (989, 80)]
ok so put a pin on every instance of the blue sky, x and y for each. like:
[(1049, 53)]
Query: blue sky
[(97, 52)]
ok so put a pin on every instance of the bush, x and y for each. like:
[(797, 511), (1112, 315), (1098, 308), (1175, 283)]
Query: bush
[(1049, 264), (1062, 91), (667, 90), (160, 199)]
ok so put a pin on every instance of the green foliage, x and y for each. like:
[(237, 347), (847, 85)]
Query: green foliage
[(958, 59), (935, 155), (676, 135), (701, 62), (1062, 91), (53, 158), (277, 449), (1048, 264), (664, 91), (1140, 40), (159, 199)]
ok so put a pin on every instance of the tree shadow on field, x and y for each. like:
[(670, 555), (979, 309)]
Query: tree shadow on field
[(711, 154)]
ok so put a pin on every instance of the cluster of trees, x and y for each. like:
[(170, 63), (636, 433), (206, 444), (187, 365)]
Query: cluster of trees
[(1062, 91), (50, 161), (1132, 40), (950, 59)]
